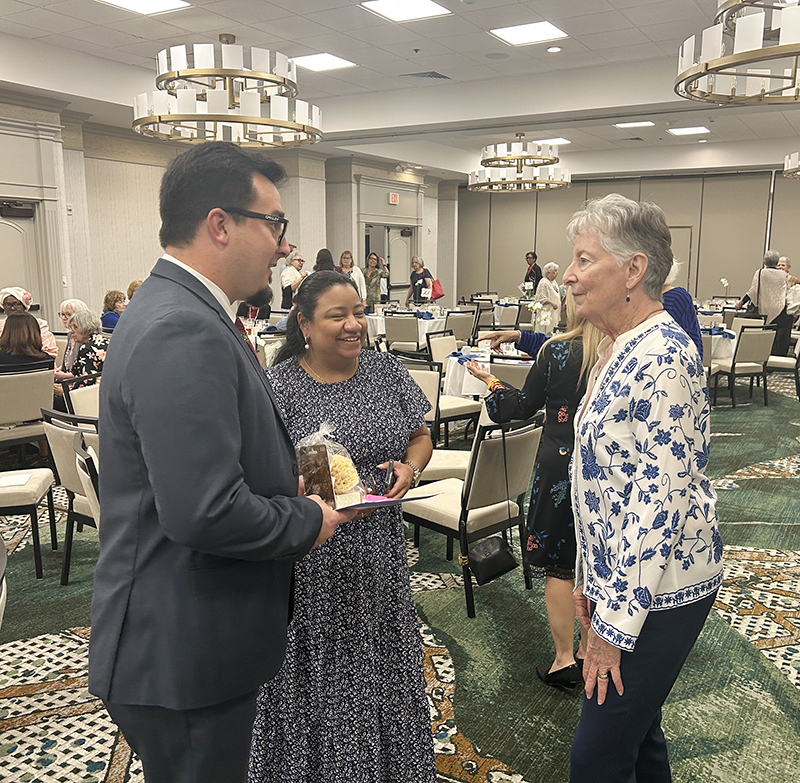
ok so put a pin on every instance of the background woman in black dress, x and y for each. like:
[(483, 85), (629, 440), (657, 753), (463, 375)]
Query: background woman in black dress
[(557, 382)]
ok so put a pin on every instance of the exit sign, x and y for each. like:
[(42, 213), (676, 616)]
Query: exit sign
[(394, 198)]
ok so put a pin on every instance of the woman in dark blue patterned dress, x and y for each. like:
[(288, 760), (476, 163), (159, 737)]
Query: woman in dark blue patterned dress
[(557, 382), (349, 703)]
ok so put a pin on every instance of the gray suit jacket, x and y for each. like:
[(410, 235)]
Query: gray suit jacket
[(200, 522)]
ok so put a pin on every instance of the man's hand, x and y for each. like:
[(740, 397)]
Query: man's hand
[(331, 519)]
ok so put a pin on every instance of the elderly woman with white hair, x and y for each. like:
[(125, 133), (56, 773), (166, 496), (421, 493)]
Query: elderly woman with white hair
[(649, 549), (63, 373), (86, 330), (18, 300), (767, 293), (548, 294)]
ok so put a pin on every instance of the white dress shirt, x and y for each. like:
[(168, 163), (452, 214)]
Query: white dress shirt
[(213, 288)]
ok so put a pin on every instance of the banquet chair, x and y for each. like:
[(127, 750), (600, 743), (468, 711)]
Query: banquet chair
[(444, 407), (441, 345), (3, 591), (737, 323), (511, 315), (61, 343), (60, 437), (83, 400), (511, 371), (484, 319), (22, 395), (86, 464), (710, 367), (787, 364), (489, 500), (402, 331), (750, 359), (460, 324)]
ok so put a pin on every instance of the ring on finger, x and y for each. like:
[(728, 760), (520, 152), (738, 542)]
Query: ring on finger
[(602, 675)]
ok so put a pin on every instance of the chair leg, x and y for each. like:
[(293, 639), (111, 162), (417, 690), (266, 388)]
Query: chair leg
[(68, 536), (37, 549), (797, 382), (52, 513), (731, 385), (449, 552), (752, 378), (416, 536), (446, 434), (468, 593), (716, 384), (766, 402)]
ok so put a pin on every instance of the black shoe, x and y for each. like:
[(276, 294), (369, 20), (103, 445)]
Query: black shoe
[(567, 678)]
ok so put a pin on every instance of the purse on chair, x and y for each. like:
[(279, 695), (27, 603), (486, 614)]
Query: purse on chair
[(493, 556)]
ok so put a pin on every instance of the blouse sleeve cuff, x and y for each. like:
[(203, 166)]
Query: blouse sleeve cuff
[(611, 634)]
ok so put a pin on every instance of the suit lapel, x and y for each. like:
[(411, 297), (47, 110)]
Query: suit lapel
[(166, 269)]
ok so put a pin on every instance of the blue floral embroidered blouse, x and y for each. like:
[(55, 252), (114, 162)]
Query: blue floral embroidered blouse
[(647, 528)]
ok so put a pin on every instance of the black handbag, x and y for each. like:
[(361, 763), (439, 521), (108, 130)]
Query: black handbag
[(493, 556)]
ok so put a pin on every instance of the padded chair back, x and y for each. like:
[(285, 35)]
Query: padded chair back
[(514, 373), (486, 475), (460, 324), (485, 316), (754, 346), (401, 329), (709, 320), (86, 466), (441, 345), (738, 323), (60, 438), (85, 401), (430, 381), (511, 314), (23, 395), (3, 560), (61, 344)]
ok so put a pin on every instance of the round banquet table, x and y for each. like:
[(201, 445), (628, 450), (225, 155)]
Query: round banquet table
[(722, 348)]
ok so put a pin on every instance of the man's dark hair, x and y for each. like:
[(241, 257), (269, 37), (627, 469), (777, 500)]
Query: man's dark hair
[(215, 174), (532, 253)]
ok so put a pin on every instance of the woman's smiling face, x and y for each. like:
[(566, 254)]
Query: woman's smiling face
[(338, 326)]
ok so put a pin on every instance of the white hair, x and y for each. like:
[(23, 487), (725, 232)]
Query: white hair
[(548, 268), (673, 272)]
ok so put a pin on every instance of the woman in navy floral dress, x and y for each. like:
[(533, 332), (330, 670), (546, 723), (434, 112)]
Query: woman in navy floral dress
[(557, 382), (349, 703)]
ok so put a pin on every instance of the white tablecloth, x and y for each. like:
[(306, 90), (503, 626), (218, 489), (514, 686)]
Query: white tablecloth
[(376, 324), (722, 347), (459, 383)]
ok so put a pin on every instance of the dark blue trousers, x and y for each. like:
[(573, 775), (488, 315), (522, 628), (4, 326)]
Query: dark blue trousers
[(203, 745), (621, 741)]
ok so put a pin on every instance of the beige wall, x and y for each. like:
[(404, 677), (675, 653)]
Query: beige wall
[(719, 225)]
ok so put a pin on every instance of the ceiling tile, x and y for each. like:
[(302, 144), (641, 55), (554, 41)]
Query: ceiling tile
[(671, 48), (767, 125), (442, 26), (345, 19), (568, 61), (426, 47), (728, 128), (478, 44), (292, 28), (47, 21), (90, 11), (472, 73), (644, 51), (505, 16), (336, 43), (559, 9), (613, 39), (370, 79), (126, 57), (104, 37), (669, 31), (445, 63), (620, 4), (248, 11), (519, 67), (793, 118), (666, 11), (41, 3), (201, 20), (73, 44), (594, 23), (303, 7), (13, 7), (385, 34), (149, 49), (146, 27), (21, 30)]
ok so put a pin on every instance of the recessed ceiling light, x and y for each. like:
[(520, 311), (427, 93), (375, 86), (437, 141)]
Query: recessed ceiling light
[(496, 56), (642, 124), (524, 34), (148, 6), (558, 141), (322, 62), (405, 10), (688, 131), (702, 141), (553, 49)]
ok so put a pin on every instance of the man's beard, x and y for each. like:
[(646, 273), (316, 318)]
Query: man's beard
[(261, 297)]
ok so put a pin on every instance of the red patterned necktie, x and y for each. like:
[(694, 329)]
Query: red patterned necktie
[(243, 332)]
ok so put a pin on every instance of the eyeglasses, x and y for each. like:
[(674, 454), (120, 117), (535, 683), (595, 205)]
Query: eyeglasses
[(276, 221)]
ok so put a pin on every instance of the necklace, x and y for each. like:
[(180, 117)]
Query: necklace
[(307, 366)]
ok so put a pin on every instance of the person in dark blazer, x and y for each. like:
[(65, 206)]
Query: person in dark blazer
[(201, 517)]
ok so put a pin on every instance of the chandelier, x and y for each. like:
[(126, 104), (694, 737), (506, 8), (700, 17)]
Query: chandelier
[(791, 166), (764, 34), (211, 95), (519, 167)]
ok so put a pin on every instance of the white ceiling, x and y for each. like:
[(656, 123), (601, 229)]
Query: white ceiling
[(627, 47)]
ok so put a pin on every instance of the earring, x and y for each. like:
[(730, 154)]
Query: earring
[(627, 295)]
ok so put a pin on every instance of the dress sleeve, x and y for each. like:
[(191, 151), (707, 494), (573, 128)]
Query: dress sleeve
[(666, 414), (531, 342), (508, 403), (48, 340)]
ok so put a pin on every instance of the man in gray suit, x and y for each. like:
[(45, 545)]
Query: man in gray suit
[(201, 519)]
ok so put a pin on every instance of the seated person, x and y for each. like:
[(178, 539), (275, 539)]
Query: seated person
[(87, 332), (18, 300), (114, 303), (21, 345)]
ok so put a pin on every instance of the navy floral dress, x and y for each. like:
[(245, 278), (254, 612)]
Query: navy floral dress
[(553, 382), (349, 702)]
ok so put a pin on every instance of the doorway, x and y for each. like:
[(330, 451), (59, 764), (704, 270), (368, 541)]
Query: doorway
[(397, 245)]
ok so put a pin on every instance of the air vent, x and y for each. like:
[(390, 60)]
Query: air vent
[(426, 75), (633, 138)]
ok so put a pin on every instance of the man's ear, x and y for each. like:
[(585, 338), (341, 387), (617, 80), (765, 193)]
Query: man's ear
[(216, 225)]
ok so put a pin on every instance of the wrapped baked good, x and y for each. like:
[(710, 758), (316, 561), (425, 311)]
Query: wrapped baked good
[(327, 469)]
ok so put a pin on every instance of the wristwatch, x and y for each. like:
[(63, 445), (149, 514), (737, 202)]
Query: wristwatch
[(417, 472)]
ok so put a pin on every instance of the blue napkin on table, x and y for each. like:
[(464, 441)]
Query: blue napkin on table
[(268, 328), (425, 316), (719, 331)]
